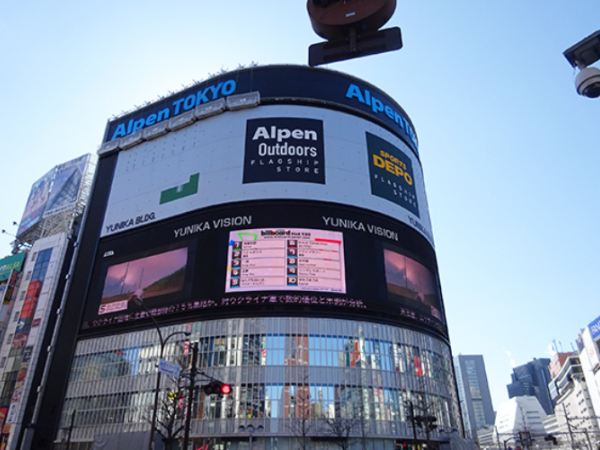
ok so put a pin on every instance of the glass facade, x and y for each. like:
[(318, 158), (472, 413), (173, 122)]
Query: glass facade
[(285, 373)]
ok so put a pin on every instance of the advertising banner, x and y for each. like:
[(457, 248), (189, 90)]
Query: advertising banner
[(270, 152), (249, 258), (65, 188), (299, 140), (590, 348), (14, 262), (36, 203)]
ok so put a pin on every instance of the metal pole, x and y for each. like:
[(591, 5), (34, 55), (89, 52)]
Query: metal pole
[(412, 419), (497, 436), (156, 391), (188, 417), (71, 429), (163, 342), (568, 426)]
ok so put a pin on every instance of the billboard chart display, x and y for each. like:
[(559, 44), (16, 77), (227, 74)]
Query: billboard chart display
[(285, 259)]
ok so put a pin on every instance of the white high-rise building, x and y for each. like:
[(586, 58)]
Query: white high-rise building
[(520, 418)]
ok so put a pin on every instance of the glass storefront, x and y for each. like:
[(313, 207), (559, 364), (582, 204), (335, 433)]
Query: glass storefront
[(285, 373)]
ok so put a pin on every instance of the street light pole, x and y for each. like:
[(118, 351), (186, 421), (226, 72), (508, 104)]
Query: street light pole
[(163, 342), (188, 417)]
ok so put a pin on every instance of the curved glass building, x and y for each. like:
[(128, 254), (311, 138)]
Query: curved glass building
[(277, 215)]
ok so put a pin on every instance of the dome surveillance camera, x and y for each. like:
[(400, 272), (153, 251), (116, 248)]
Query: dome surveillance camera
[(587, 82)]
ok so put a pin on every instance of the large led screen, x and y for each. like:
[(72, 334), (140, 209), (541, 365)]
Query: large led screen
[(145, 278), (271, 257), (410, 284), (158, 275), (285, 259), (265, 153)]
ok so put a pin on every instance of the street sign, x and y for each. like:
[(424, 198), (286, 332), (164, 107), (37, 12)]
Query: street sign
[(169, 368)]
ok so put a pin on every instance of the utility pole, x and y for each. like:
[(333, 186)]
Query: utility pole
[(71, 429), (412, 419), (568, 426), (192, 388)]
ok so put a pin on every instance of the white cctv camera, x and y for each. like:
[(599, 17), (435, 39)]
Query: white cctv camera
[(587, 82)]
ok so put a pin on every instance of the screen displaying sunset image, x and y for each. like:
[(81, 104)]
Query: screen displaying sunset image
[(411, 282), (148, 277)]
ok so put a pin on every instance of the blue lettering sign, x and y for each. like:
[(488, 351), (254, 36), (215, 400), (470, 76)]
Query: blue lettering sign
[(178, 106), (595, 328), (378, 107)]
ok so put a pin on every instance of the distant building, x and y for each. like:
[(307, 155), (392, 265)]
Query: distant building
[(532, 379), (589, 357), (31, 287), (474, 393), (575, 421), (520, 418)]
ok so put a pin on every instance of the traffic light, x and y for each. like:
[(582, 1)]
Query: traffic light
[(217, 387), (431, 422), (419, 421)]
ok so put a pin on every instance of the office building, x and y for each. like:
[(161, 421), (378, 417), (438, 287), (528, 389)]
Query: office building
[(474, 393), (532, 379), (277, 215)]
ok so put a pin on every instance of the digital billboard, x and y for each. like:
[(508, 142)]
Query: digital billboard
[(149, 278), (270, 152), (285, 259), (251, 258), (36, 203)]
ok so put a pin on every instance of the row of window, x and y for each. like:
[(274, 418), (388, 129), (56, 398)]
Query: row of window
[(277, 401), (270, 350)]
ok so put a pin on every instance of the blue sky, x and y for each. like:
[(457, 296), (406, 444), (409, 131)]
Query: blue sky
[(509, 150)]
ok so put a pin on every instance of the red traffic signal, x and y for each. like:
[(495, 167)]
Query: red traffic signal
[(217, 387)]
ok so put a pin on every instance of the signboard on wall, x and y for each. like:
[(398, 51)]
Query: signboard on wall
[(296, 84), (36, 203), (595, 328), (270, 152), (55, 192), (66, 186), (284, 149)]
